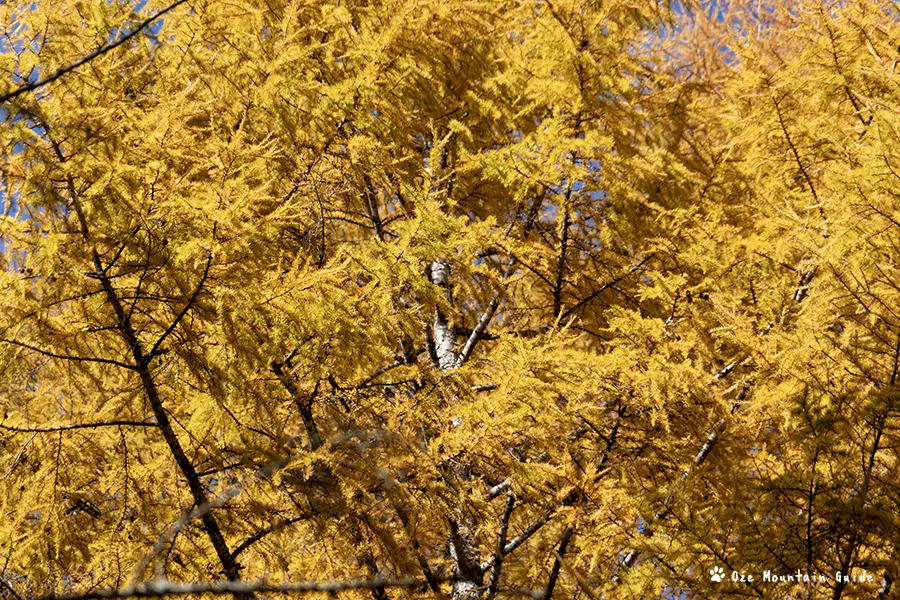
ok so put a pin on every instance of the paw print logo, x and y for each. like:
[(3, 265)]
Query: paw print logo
[(717, 574)]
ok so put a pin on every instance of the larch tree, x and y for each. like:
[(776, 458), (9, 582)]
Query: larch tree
[(458, 299)]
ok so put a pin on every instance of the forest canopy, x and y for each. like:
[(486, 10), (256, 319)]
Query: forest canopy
[(450, 299)]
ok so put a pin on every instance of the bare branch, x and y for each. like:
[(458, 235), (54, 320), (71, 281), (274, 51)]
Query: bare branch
[(161, 588)]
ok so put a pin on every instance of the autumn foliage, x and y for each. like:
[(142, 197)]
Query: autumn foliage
[(449, 299)]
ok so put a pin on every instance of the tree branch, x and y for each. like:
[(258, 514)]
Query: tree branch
[(479, 329), (161, 588), (501, 544), (561, 261), (79, 426), (520, 539), (261, 534), (499, 489), (86, 59), (557, 563), (603, 288), (43, 352), (202, 511), (155, 350), (304, 404)]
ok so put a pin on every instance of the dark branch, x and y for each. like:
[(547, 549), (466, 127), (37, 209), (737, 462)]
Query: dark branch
[(603, 288), (261, 534), (529, 531), (501, 544), (557, 563), (153, 352), (98, 52), (93, 359), (561, 261), (79, 426)]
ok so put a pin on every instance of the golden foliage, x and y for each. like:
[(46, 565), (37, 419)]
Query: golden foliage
[(355, 272)]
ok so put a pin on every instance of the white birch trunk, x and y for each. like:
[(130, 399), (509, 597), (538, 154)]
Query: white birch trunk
[(444, 336)]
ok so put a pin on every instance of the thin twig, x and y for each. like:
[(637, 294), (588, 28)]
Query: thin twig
[(18, 457), (79, 426), (261, 534), (160, 588), (190, 303), (603, 288), (47, 353)]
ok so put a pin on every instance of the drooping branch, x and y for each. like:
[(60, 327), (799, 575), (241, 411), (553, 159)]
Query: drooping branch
[(69, 357), (278, 526)]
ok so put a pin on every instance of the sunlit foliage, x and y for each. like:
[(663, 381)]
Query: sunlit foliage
[(568, 298)]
